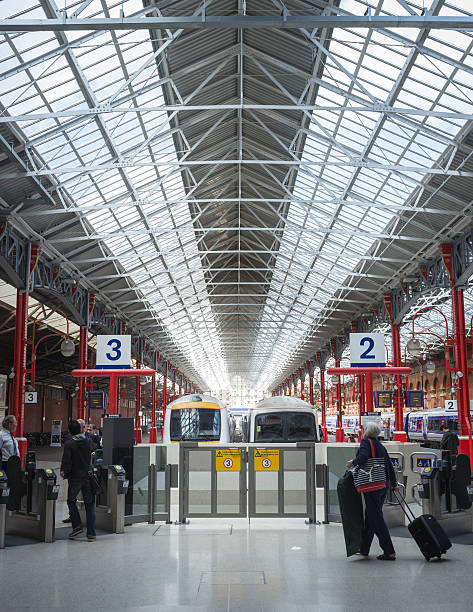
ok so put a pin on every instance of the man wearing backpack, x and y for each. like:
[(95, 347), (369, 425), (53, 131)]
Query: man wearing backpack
[(75, 466)]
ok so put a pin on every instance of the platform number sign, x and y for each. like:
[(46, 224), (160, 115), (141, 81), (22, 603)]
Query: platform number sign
[(367, 350), (113, 351), (31, 397)]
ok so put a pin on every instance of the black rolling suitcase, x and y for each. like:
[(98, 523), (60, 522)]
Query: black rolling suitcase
[(429, 535)]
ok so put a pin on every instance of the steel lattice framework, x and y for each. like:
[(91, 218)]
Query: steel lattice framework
[(237, 178)]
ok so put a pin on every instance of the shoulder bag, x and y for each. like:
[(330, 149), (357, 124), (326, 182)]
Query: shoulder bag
[(95, 483), (372, 475)]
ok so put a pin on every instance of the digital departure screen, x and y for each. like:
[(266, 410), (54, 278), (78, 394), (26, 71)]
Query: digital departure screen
[(423, 462), (415, 399), (384, 399)]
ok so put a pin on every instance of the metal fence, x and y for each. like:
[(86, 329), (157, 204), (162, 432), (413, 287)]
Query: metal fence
[(246, 481)]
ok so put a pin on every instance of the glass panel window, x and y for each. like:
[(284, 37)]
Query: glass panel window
[(300, 427), (269, 427), (195, 424)]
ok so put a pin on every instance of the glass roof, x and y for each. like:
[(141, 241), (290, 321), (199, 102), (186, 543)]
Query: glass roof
[(388, 107)]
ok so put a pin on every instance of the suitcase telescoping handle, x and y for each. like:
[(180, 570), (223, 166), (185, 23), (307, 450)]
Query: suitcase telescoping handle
[(404, 506)]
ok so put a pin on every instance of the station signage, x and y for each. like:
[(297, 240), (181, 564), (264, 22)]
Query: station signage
[(96, 400), (383, 399), (266, 460), (367, 350), (370, 417), (415, 399), (113, 352), (228, 460), (31, 397)]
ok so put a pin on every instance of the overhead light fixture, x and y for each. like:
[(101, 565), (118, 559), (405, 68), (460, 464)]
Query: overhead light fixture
[(335, 379), (67, 347), (430, 367), (414, 347)]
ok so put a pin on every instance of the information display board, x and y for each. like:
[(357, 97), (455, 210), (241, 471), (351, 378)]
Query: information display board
[(96, 400), (383, 399), (415, 399)]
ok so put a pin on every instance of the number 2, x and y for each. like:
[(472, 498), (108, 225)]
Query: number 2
[(449, 405), (370, 342), (115, 349)]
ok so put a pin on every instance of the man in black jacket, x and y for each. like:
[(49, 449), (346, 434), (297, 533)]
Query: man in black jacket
[(75, 466), (449, 441)]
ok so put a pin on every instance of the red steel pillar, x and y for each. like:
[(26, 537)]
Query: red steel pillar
[(138, 433), (165, 392), (360, 389), (113, 398), (399, 429), (302, 376), (461, 360), (19, 367), (322, 401), (340, 434), (82, 366), (310, 370), (153, 438)]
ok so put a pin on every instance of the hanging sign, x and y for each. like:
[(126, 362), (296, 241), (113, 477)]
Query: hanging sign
[(370, 417), (383, 399), (367, 350), (31, 397), (266, 460), (228, 460), (415, 399), (96, 400), (56, 427), (451, 405), (113, 352)]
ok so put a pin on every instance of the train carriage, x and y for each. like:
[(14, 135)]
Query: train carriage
[(197, 418), (282, 419)]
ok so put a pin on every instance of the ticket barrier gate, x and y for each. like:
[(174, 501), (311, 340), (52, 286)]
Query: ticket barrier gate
[(441, 485), (37, 514), (392, 511), (110, 503)]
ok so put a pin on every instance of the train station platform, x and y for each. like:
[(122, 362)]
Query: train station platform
[(266, 565)]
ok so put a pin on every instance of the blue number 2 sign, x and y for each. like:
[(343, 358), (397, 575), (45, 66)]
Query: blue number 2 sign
[(367, 350), (113, 351)]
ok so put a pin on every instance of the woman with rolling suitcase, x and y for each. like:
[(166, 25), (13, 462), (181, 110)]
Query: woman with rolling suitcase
[(373, 474)]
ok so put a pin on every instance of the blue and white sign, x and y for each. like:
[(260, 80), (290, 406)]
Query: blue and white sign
[(367, 350), (113, 352)]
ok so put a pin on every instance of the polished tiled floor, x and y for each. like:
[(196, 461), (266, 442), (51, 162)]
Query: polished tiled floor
[(270, 565)]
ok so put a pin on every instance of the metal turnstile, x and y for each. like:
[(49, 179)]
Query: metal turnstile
[(434, 493), (36, 518), (4, 493), (392, 511), (110, 516)]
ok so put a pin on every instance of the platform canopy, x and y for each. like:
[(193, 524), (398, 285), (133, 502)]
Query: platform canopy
[(238, 193)]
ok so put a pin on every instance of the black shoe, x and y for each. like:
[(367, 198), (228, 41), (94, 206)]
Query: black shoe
[(75, 532), (385, 557), (67, 520)]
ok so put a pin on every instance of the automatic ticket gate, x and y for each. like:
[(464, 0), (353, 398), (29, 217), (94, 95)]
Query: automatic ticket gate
[(36, 517), (110, 502), (392, 511), (444, 489)]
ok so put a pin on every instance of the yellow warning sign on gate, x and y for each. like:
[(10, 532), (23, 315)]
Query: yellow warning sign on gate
[(266, 460), (228, 460)]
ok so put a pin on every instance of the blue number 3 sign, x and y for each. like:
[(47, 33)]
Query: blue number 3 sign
[(116, 352)]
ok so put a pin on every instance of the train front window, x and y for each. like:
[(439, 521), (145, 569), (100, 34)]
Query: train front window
[(285, 427), (195, 424), (300, 427), (269, 427)]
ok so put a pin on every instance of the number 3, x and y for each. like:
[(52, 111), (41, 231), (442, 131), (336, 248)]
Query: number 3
[(115, 349), (370, 342)]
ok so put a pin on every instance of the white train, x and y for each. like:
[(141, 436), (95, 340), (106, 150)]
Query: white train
[(351, 424), (282, 419), (198, 418)]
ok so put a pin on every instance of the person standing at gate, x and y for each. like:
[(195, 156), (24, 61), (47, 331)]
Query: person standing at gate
[(75, 466), (8, 444), (450, 441)]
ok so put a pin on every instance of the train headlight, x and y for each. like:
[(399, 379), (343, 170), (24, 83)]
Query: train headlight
[(414, 347)]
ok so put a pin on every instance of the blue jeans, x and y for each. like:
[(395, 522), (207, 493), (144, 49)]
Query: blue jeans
[(74, 487), (375, 523)]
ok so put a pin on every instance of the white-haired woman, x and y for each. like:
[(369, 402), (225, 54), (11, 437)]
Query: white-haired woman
[(374, 520)]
